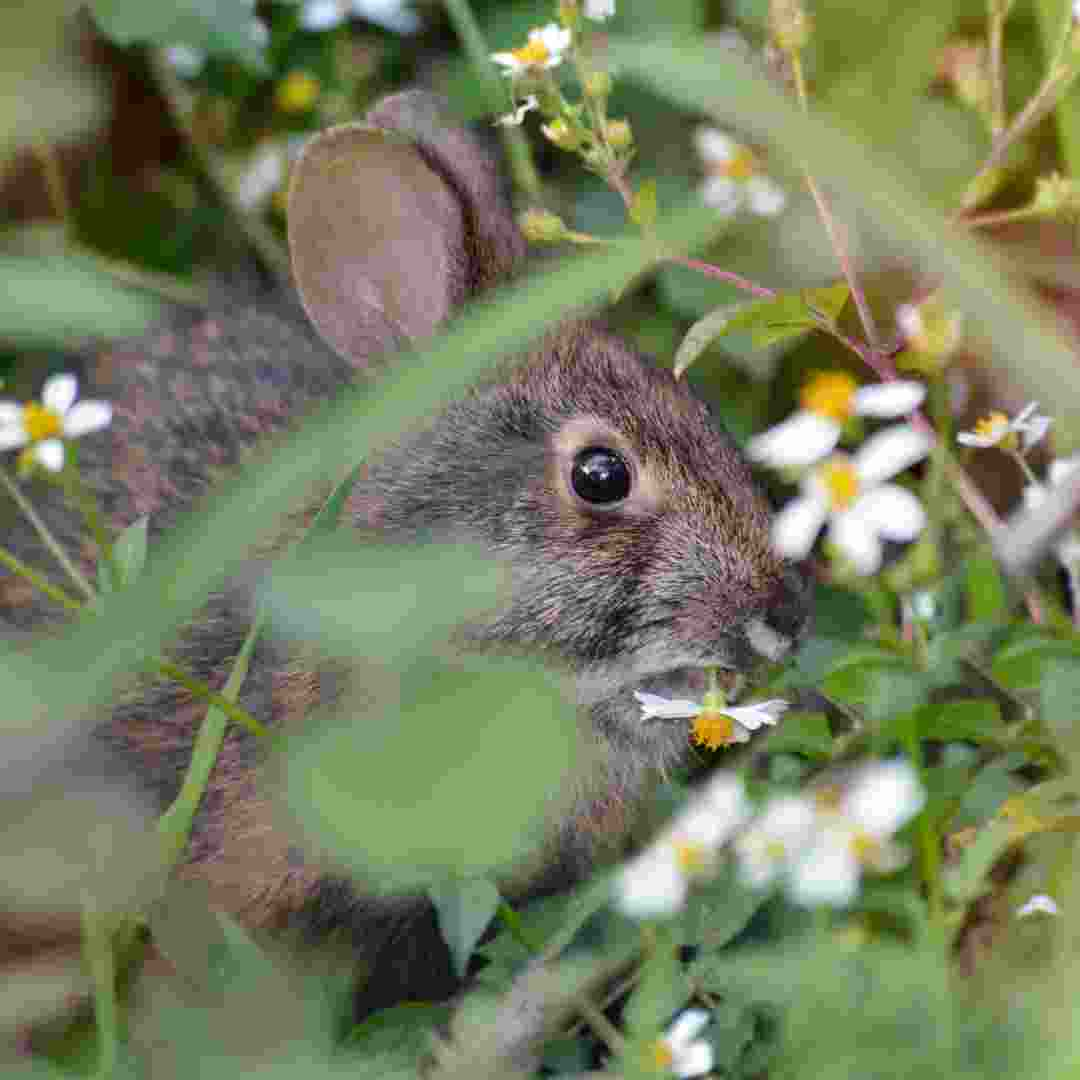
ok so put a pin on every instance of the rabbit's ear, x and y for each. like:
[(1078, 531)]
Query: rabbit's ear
[(392, 224)]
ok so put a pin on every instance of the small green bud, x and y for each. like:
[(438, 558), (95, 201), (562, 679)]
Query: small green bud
[(542, 226), (619, 134), (598, 85), (562, 134), (789, 25)]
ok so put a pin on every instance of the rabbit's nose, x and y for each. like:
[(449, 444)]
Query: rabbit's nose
[(784, 620)]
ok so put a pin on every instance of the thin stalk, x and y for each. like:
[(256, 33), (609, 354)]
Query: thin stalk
[(52, 173), (517, 147), (592, 1015), (39, 581), (98, 951), (998, 117), (205, 692), (723, 275), (55, 548), (174, 826), (1067, 111)]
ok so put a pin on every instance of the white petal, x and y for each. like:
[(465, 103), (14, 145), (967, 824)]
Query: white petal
[(725, 798), (802, 439), (686, 1028), (515, 118), (858, 541), (509, 61), (59, 393), (87, 416), (1034, 495), (721, 193), (11, 413), (892, 512), (51, 454), (694, 1060), (12, 435), (1034, 431), (1024, 415), (827, 874), (889, 400), (909, 320), (764, 196), (1039, 902), (969, 438), (599, 10), (796, 526), (1062, 468), (556, 39), (654, 705), (321, 14), (884, 797), (714, 146), (890, 452), (753, 716), (651, 886)]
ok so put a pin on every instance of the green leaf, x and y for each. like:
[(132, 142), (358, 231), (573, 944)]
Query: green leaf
[(225, 27), (451, 779), (840, 613), (465, 907), (400, 1035), (977, 720), (329, 515), (718, 911), (1023, 665), (946, 651), (1059, 699), (643, 207), (827, 302), (965, 880), (800, 732), (129, 550), (987, 596), (59, 301), (882, 683)]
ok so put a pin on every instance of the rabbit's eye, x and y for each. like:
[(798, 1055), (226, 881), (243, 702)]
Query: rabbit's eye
[(600, 475)]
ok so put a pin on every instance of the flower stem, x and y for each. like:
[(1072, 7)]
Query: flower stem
[(728, 276), (98, 951), (39, 581), (47, 538), (998, 116)]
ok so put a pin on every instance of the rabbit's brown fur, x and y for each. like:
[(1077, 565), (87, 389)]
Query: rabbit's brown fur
[(388, 237)]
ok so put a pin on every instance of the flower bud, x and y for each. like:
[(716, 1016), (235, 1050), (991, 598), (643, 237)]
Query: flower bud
[(542, 226), (561, 134), (619, 134), (789, 25)]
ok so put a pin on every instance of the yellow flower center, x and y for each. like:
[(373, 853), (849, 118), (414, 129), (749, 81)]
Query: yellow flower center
[(659, 1057), (41, 422), (864, 847), (841, 482), (535, 52), (297, 92), (995, 426), (830, 394), (740, 166), (689, 856), (712, 729)]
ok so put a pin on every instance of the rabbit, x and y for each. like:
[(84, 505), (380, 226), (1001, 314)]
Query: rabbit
[(637, 538)]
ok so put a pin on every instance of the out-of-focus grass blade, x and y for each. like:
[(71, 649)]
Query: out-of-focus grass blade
[(49, 692)]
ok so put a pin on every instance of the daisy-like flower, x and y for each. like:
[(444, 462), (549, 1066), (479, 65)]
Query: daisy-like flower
[(680, 1052), (850, 494), (543, 50), (516, 116), (1021, 433), (390, 14), (1039, 903), (599, 10), (42, 428), (855, 830), (715, 724), (829, 399), (733, 177), (1067, 548), (765, 849), (655, 883)]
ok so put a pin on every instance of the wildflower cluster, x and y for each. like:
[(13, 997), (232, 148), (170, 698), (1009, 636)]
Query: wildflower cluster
[(848, 492), (816, 844), (584, 128)]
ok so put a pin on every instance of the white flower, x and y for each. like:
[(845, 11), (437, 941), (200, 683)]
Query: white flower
[(543, 50), (1067, 548), (185, 60), (680, 1051), (850, 494), (856, 832), (820, 844), (829, 399), (733, 177), (714, 726), (514, 118), (43, 428), (390, 14), (1026, 429), (765, 849), (655, 883), (1040, 902), (599, 10), (265, 173)]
